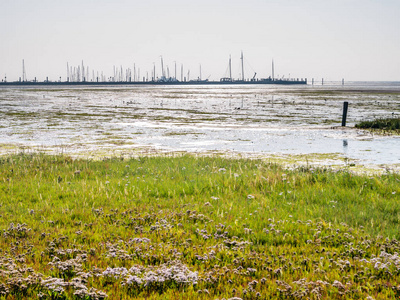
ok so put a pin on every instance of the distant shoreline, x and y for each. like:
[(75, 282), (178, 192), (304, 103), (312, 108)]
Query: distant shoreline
[(366, 90), (349, 87), (267, 81)]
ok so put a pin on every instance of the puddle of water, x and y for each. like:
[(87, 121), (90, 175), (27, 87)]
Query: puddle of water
[(263, 120)]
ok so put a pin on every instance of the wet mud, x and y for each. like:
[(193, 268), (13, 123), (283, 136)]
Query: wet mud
[(273, 121)]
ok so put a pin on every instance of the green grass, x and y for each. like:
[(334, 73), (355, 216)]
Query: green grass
[(187, 228), (385, 124)]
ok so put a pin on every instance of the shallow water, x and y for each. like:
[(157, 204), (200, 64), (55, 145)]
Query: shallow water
[(261, 120)]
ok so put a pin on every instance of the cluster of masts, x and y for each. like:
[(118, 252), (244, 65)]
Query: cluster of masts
[(82, 73), (230, 78)]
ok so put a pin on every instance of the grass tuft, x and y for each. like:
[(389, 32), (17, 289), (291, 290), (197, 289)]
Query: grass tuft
[(385, 124)]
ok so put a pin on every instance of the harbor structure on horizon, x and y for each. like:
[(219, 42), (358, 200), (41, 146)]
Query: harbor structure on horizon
[(80, 75)]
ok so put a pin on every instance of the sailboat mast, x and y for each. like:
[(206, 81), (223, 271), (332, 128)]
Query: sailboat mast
[(273, 70), (242, 67), (23, 71), (175, 70), (83, 72), (162, 67), (230, 68)]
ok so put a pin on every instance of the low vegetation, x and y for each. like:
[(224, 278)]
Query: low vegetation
[(384, 124), (194, 228)]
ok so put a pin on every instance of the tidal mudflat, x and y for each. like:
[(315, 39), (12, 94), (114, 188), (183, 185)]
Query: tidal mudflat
[(290, 124)]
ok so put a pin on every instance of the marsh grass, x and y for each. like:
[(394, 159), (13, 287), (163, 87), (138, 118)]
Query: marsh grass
[(186, 227), (392, 124)]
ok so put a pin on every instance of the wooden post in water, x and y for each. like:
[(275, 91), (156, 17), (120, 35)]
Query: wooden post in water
[(345, 106)]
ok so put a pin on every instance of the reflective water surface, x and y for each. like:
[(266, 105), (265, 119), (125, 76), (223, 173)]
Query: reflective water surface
[(262, 120)]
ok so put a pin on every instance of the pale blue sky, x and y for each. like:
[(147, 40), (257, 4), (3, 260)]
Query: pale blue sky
[(351, 39)]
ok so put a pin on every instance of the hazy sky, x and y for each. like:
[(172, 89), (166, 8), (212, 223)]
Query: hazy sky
[(351, 39)]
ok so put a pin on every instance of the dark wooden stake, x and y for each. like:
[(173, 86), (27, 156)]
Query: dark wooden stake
[(345, 106)]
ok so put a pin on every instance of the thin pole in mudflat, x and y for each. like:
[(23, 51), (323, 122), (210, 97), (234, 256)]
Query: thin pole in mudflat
[(345, 107)]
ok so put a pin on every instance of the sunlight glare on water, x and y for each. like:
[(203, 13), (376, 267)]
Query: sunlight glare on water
[(241, 119)]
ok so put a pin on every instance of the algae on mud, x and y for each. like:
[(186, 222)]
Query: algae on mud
[(185, 227), (264, 120)]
